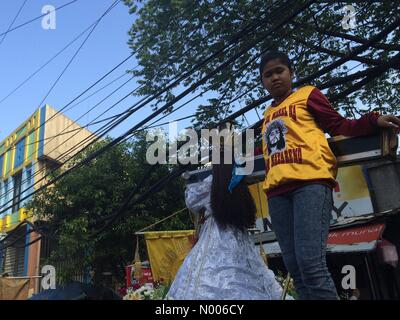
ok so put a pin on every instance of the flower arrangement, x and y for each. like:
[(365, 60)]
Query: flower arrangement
[(132, 294), (160, 290), (145, 292), (281, 278), (149, 291)]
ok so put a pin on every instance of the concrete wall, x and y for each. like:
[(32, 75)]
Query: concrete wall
[(62, 135)]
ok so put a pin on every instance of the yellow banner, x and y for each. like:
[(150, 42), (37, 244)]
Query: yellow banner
[(260, 199), (167, 250), (351, 183)]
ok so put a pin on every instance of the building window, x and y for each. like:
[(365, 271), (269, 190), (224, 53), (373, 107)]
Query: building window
[(29, 176), (14, 255), (5, 193), (1, 165), (1, 196), (17, 191), (29, 181), (7, 164), (19, 153)]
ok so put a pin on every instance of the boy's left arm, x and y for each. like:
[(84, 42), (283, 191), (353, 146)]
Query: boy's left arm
[(333, 123)]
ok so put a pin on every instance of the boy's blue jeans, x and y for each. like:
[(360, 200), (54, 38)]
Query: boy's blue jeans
[(301, 223)]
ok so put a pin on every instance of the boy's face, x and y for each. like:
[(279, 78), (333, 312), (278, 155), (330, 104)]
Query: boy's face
[(277, 78)]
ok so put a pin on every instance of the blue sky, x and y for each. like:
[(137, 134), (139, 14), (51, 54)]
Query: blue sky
[(24, 50)]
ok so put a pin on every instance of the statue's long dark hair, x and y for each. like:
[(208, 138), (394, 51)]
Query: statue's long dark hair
[(234, 209)]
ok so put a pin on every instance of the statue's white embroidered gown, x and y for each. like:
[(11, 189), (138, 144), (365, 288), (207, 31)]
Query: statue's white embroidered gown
[(224, 263)]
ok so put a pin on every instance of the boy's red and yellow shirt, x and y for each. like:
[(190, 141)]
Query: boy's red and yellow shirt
[(295, 147)]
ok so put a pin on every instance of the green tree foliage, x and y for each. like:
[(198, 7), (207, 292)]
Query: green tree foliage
[(71, 210), (171, 36)]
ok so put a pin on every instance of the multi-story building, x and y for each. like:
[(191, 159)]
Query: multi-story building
[(37, 146)]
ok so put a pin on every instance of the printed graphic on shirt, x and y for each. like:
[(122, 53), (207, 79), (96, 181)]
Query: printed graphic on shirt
[(282, 112), (275, 137)]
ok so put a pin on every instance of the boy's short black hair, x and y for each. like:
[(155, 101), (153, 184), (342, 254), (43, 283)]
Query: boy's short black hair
[(271, 55)]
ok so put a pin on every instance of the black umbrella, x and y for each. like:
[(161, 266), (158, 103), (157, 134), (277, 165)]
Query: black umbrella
[(77, 291)]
